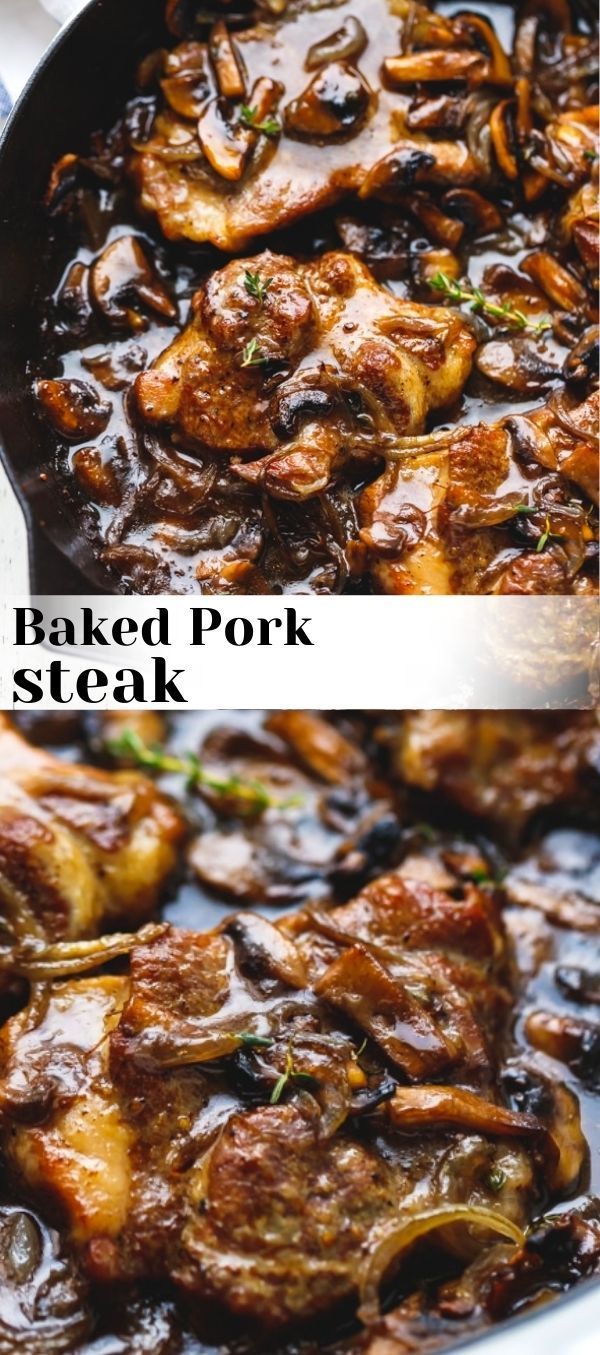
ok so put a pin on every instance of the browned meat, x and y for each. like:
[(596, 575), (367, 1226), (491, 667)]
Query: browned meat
[(430, 523), (503, 767), (322, 366), (200, 1118), (80, 849), (299, 113)]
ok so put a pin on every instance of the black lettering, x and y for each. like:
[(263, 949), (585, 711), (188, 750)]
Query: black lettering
[(264, 625), (231, 631), (295, 629), (91, 680), (56, 672), (92, 633), (27, 689), (132, 687), (33, 624), (124, 628), (160, 622), (204, 619), (166, 689)]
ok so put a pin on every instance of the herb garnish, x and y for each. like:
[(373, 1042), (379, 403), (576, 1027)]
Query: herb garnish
[(252, 355), (496, 1179), (254, 796), (480, 303), (255, 286), (294, 1076), (547, 535), (251, 1041), (268, 126)]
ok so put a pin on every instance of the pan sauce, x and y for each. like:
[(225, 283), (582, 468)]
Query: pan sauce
[(166, 515), (558, 973)]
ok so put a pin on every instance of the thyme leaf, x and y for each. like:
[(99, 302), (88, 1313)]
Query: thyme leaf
[(547, 535), (253, 794), (292, 1076), (496, 1179), (251, 1041), (269, 126), (252, 355), (480, 303), (255, 286)]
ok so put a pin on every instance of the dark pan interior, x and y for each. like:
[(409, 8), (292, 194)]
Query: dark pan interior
[(79, 87)]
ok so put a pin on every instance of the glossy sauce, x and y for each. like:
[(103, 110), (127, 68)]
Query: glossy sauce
[(560, 855), (162, 537)]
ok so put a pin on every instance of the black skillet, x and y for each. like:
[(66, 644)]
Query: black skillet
[(80, 86)]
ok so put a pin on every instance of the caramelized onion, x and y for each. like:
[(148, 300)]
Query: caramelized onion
[(398, 1239)]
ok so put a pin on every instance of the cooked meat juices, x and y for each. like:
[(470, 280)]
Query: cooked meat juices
[(281, 1121), (392, 386)]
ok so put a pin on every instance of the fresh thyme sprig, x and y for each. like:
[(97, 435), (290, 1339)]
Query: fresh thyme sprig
[(294, 1076), (268, 126), (547, 535), (481, 304), (253, 355), (253, 795), (251, 1041), (256, 286)]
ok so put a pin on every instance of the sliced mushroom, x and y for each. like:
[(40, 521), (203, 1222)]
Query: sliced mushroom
[(582, 363), (347, 43), (226, 63), (96, 474), (265, 950), (405, 1029), (73, 298), (568, 1039), (478, 30), (73, 408), (319, 745), (438, 66), (305, 395), (122, 280), (434, 1108), (516, 363), (444, 230), (438, 112), (335, 103), (186, 84), (477, 212), (558, 284), (226, 143), (420, 161)]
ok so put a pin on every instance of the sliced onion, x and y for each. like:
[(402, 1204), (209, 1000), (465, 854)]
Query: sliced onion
[(403, 1235), (39, 963)]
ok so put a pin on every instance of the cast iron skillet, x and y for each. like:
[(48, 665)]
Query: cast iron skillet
[(80, 86)]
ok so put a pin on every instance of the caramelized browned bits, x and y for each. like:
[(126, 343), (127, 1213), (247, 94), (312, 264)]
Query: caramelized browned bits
[(74, 409)]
